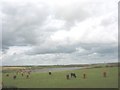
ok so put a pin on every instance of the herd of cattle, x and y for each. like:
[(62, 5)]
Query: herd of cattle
[(26, 73), (73, 75), (23, 72)]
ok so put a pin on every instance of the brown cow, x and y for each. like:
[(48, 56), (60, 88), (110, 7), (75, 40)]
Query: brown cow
[(22, 74), (27, 76), (84, 75), (7, 75), (67, 76), (104, 74)]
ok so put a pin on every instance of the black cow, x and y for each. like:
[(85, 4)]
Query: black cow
[(14, 77), (50, 73), (73, 75)]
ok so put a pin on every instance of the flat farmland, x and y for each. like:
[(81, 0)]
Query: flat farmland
[(94, 79)]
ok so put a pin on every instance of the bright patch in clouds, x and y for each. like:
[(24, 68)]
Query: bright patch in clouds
[(88, 31), (41, 32)]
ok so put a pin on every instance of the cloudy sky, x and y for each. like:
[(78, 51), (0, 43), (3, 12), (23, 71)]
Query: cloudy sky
[(46, 32)]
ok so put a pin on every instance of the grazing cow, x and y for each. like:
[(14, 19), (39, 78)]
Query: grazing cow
[(14, 77), (84, 75), (27, 76), (104, 74), (50, 73), (73, 75), (22, 74), (67, 76), (7, 75)]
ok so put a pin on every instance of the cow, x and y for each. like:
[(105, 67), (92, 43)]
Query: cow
[(50, 73), (27, 76), (104, 74), (22, 74), (67, 76), (14, 77), (7, 75), (73, 75), (84, 75)]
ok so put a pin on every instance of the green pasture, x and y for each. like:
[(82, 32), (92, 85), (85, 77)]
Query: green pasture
[(94, 79)]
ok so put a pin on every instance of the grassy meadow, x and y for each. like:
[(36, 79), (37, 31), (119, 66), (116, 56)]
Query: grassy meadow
[(94, 79)]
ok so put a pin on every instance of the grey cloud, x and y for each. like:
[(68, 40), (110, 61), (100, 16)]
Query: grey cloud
[(104, 50), (72, 14), (106, 22), (20, 23), (51, 50), (97, 52), (59, 56), (27, 24)]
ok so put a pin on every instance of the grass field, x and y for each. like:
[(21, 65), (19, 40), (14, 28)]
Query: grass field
[(94, 79)]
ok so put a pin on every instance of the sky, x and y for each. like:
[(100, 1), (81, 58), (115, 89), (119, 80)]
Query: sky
[(58, 32)]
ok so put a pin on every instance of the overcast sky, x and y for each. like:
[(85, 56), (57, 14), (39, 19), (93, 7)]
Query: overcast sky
[(46, 32)]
